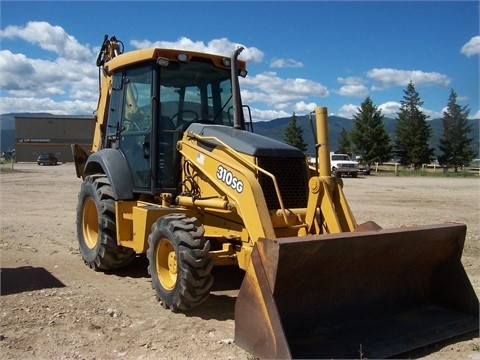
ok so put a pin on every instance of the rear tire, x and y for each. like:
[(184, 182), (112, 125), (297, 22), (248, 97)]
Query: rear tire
[(96, 227), (179, 262)]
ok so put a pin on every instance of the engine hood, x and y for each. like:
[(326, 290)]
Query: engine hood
[(246, 142)]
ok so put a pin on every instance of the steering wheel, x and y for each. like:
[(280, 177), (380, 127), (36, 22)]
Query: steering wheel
[(181, 122)]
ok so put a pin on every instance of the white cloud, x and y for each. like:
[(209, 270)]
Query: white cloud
[(472, 47), (25, 77), (50, 38), (359, 91), (353, 87), (45, 104), (347, 111), (11, 64), (67, 84), (285, 63), (221, 46), (268, 87), (303, 108), (266, 115), (393, 77), (389, 108)]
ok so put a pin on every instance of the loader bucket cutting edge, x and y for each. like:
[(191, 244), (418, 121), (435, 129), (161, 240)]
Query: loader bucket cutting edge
[(371, 294)]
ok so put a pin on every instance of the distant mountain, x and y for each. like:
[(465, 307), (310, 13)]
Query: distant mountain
[(275, 129)]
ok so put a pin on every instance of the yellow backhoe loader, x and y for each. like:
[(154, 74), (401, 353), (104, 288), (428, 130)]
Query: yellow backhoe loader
[(175, 171)]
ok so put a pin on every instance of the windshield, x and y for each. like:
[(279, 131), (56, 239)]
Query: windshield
[(340, 157), (196, 91)]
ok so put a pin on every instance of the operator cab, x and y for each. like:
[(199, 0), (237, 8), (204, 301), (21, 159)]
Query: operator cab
[(154, 102)]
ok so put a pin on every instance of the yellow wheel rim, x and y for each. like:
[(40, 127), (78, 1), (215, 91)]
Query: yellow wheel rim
[(90, 223), (166, 264)]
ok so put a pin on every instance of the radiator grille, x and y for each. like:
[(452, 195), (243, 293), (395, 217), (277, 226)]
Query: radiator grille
[(291, 175)]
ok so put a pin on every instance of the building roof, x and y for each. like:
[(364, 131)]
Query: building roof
[(51, 116)]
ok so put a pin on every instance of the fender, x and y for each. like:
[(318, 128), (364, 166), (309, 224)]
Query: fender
[(112, 163)]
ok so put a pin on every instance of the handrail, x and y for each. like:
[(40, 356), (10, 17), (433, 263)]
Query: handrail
[(241, 159)]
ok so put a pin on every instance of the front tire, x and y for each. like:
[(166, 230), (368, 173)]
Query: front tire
[(96, 227), (179, 262)]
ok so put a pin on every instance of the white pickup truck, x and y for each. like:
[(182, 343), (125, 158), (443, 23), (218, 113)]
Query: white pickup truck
[(343, 165)]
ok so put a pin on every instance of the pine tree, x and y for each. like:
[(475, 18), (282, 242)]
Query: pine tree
[(413, 133), (344, 144), (293, 134), (455, 143), (369, 136)]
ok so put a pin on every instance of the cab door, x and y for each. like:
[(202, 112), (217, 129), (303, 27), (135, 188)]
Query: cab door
[(131, 113)]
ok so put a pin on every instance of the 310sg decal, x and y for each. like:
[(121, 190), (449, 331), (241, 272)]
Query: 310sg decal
[(228, 178)]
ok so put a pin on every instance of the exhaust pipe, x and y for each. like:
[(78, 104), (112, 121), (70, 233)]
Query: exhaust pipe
[(237, 107)]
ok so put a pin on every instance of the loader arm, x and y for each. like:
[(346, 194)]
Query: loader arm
[(326, 195), (327, 211)]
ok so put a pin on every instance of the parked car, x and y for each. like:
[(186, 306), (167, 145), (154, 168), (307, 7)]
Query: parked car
[(343, 165), (47, 159), (363, 167)]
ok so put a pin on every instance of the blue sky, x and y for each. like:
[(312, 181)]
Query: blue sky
[(299, 54)]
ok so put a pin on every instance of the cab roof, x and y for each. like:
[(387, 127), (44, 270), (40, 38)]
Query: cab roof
[(139, 56)]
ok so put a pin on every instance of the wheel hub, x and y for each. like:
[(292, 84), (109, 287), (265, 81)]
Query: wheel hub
[(166, 264), (172, 262), (90, 223)]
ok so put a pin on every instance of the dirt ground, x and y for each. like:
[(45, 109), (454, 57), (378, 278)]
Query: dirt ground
[(54, 307)]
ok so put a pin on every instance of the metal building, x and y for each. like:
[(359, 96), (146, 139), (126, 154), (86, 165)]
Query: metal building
[(36, 134)]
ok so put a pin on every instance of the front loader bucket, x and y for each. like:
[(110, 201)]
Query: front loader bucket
[(371, 294)]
